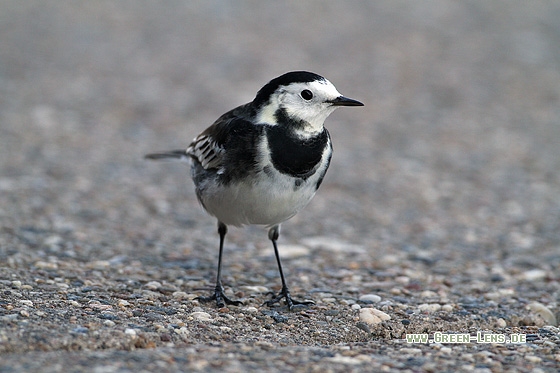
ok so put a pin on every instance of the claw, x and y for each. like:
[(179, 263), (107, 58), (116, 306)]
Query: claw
[(290, 302), (220, 298)]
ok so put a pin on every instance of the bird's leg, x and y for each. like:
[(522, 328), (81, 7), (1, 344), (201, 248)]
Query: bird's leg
[(219, 296), (273, 235)]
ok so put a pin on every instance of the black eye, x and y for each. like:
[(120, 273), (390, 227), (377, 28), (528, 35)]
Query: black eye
[(307, 94)]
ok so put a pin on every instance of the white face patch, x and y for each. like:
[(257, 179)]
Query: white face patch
[(314, 111)]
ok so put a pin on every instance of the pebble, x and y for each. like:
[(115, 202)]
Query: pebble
[(332, 244), (250, 309), (533, 275), (369, 298), (447, 307), (130, 331), (179, 295), (363, 326), (201, 316), (255, 289), (45, 265), (446, 350), (410, 351), (346, 360), (99, 264), (27, 303), (544, 312), (293, 251), (53, 242), (428, 294), (123, 303), (429, 307), (500, 293), (373, 316), (533, 358), (153, 285), (183, 331)]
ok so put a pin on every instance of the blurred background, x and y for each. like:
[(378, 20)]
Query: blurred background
[(457, 146)]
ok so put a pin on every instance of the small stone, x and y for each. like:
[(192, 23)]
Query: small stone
[(429, 308), (24, 313), (182, 331), (294, 251), (402, 279), (373, 316), (501, 323), (428, 294), (130, 331), (123, 303), (257, 289), (250, 309), (153, 285), (328, 300), (99, 264), (446, 350), (16, 284), (179, 295), (533, 275), (447, 307), (26, 302), (332, 244), (46, 265), (53, 242), (369, 298), (332, 312), (544, 313), (109, 323), (275, 316), (356, 307), (201, 316), (80, 330), (533, 358), (410, 351), (363, 326), (345, 360)]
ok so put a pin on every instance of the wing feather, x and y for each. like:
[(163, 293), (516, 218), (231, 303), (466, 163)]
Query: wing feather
[(208, 148)]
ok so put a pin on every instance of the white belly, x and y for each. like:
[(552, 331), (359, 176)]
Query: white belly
[(266, 200)]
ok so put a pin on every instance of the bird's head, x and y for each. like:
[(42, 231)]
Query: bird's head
[(305, 98)]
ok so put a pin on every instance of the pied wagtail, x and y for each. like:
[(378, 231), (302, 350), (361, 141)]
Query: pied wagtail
[(262, 162)]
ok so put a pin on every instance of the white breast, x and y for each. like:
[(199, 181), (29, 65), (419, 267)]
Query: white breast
[(268, 197)]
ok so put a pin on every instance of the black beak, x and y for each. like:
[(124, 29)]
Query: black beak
[(345, 101)]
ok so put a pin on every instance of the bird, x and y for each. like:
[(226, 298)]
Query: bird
[(262, 162)]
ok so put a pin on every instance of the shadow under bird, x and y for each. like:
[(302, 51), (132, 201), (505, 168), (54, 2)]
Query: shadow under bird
[(262, 162)]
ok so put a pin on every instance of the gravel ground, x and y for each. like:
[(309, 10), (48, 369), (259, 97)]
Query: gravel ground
[(440, 213)]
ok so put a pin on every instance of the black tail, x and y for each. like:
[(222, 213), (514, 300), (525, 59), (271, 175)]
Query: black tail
[(173, 154)]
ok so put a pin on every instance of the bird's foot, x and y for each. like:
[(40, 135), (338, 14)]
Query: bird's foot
[(290, 302), (220, 298)]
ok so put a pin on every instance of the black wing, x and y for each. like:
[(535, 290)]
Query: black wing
[(228, 145)]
